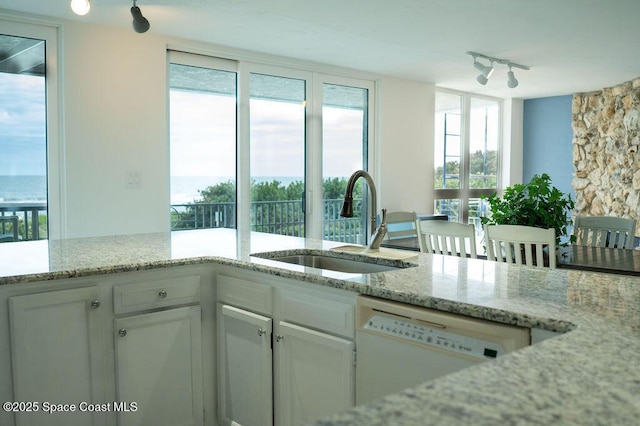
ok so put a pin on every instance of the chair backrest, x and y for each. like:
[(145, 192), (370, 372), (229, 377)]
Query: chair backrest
[(521, 244), (401, 224), (4, 235), (604, 231), (452, 238)]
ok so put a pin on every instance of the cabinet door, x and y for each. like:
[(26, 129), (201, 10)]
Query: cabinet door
[(159, 368), (244, 367), (57, 345), (315, 374)]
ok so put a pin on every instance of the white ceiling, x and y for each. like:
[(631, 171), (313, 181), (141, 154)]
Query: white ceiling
[(571, 45)]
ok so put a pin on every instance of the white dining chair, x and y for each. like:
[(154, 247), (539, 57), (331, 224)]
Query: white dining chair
[(604, 231), (517, 244), (401, 225), (451, 238)]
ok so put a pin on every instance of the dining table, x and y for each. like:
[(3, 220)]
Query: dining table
[(597, 259)]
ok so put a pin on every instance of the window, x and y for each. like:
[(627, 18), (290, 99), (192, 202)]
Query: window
[(277, 111), (467, 140), (28, 129), (202, 99), (344, 150), (247, 151)]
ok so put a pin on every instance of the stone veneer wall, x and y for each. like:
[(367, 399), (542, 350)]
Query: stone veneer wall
[(606, 155)]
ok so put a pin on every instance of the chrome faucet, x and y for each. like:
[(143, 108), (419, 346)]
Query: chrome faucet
[(377, 233)]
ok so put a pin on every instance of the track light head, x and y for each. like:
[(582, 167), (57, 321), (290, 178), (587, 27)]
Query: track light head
[(512, 82), (140, 23), (487, 70)]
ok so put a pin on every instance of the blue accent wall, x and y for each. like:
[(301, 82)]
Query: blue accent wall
[(547, 141)]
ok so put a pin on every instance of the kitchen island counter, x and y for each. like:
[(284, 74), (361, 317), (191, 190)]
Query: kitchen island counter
[(587, 375)]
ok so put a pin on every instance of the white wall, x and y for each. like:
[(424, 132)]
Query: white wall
[(512, 142), (115, 111), (115, 124), (406, 112)]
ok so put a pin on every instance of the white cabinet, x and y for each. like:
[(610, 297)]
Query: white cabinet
[(57, 351), (245, 366), (159, 368), (314, 374), (309, 356), (158, 354)]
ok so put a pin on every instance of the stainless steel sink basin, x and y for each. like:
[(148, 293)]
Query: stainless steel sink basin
[(335, 261)]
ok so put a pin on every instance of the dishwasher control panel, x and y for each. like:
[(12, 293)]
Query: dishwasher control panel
[(433, 336)]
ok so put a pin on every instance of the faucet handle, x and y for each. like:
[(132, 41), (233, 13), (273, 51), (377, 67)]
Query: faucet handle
[(384, 216)]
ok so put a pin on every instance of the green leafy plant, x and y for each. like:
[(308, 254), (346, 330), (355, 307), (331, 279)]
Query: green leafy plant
[(537, 203)]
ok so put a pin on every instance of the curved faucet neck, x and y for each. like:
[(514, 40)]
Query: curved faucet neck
[(372, 189)]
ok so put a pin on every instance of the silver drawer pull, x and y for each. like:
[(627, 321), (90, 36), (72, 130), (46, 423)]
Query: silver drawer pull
[(162, 294), (122, 332), (279, 337), (95, 304), (261, 332)]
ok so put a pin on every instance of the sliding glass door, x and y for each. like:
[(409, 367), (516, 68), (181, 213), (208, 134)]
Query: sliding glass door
[(345, 134), (277, 152), (203, 104), (266, 149)]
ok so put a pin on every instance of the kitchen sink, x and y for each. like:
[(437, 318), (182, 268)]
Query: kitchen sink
[(332, 261)]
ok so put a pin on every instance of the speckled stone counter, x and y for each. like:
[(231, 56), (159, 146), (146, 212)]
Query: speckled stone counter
[(588, 375)]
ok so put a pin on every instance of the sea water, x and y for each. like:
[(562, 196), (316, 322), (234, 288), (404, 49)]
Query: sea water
[(184, 189), (23, 188)]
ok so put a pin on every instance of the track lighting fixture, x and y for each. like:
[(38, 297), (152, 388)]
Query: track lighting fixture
[(511, 79), (80, 7), (140, 23), (487, 70)]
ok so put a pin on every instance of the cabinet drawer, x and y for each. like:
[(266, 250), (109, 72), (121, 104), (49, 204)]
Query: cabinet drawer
[(156, 294), (316, 310), (245, 294)]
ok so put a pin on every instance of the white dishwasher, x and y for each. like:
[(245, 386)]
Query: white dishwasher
[(400, 346)]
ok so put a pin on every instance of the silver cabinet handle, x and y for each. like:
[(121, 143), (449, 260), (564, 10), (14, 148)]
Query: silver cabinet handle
[(95, 304), (122, 332), (162, 294), (261, 332), (279, 337)]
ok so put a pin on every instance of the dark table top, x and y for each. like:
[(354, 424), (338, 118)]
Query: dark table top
[(617, 261)]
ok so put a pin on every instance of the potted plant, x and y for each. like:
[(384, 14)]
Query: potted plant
[(537, 203)]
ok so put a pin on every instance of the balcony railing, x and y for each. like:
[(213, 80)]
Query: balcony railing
[(275, 217), (32, 220)]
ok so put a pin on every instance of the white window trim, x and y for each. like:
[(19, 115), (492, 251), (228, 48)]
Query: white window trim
[(313, 135), (56, 175), (464, 193)]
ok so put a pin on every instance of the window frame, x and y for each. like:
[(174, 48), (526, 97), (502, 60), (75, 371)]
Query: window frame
[(313, 128), (464, 193), (51, 33)]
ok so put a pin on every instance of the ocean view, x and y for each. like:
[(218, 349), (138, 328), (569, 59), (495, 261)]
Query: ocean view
[(184, 189), (23, 188)]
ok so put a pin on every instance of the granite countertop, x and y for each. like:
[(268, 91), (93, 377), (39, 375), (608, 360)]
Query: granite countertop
[(590, 374)]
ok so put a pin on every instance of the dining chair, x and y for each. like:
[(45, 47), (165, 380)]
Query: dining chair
[(517, 244), (451, 238), (401, 225), (13, 235), (604, 231)]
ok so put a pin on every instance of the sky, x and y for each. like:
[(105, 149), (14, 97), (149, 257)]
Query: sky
[(203, 137), (202, 134), (22, 125)]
